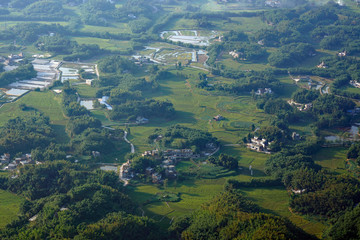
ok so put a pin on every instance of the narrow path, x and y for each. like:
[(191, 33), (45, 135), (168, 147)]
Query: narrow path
[(110, 128), (232, 145), (97, 71), (143, 213), (125, 180), (126, 140), (78, 83), (200, 68), (78, 97), (215, 151)]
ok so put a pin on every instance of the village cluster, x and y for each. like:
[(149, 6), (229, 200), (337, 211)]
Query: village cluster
[(263, 145), (259, 145), (169, 158), (13, 163)]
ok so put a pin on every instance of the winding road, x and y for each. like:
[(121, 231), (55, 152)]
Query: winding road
[(126, 140), (125, 180)]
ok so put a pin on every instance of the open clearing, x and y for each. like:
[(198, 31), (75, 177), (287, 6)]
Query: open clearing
[(108, 44), (332, 158), (116, 28), (195, 193), (196, 109), (9, 207), (47, 102)]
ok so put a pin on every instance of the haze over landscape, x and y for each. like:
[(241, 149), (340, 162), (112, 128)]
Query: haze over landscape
[(171, 119)]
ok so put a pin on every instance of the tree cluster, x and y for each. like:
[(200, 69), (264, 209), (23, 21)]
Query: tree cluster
[(225, 161), (47, 9), (143, 108), (305, 96), (183, 137), (70, 102), (291, 54), (23, 72), (71, 201), (330, 111), (22, 134)]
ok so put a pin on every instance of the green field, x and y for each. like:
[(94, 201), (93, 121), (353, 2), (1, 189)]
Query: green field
[(213, 5), (195, 193), (101, 114), (115, 28), (86, 91), (246, 24), (350, 89), (181, 24), (288, 88), (275, 201), (46, 102), (108, 44), (195, 109), (230, 63), (332, 158), (13, 23), (9, 207)]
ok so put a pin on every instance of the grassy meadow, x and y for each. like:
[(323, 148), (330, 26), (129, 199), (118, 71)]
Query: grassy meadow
[(46, 102), (108, 44), (195, 108), (351, 89), (332, 159), (86, 91), (9, 207), (115, 28), (194, 193)]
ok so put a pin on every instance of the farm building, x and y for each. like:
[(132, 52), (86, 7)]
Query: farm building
[(272, 3), (218, 118), (322, 65), (262, 91), (259, 145), (103, 101), (141, 120), (5, 158), (342, 54), (355, 83)]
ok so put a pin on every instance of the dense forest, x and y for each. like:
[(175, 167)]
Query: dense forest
[(72, 201)]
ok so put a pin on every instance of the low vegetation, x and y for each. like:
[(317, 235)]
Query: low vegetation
[(232, 120)]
